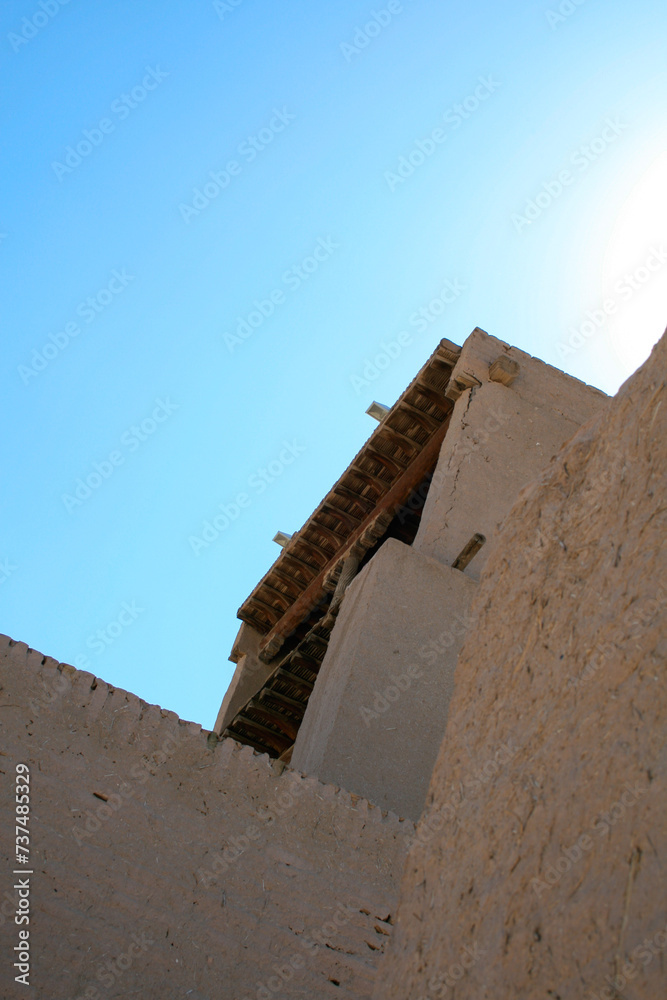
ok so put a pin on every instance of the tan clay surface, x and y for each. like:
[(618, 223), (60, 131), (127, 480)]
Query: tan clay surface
[(214, 874), (377, 716), (540, 872)]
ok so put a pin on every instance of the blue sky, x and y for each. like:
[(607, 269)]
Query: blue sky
[(417, 168)]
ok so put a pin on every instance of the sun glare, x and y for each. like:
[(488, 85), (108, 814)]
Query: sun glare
[(634, 269)]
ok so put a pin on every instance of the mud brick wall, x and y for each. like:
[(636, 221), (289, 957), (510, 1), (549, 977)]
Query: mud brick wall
[(541, 872), (169, 864)]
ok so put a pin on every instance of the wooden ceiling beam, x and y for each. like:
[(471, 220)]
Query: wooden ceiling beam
[(370, 479), (232, 734), (411, 477), (402, 440), (344, 491), (348, 520), (270, 694), (300, 562), (329, 533), (267, 736), (288, 727), (390, 464), (432, 395), (287, 677), (425, 420)]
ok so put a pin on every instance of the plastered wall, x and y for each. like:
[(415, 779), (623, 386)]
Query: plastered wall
[(168, 864), (538, 871), (375, 721), (500, 438)]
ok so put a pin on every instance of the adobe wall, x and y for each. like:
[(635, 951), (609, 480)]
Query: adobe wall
[(249, 677), (541, 873), (376, 717), (167, 863), (407, 612), (500, 437)]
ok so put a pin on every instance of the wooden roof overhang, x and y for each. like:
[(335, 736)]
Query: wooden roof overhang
[(288, 607)]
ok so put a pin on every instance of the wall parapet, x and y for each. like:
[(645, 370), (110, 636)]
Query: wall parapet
[(147, 824)]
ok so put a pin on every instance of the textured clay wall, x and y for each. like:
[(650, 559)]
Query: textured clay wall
[(500, 438), (249, 677), (538, 871), (166, 864), (375, 721)]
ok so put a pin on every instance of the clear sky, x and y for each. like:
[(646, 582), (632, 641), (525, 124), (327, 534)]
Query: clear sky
[(214, 216)]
